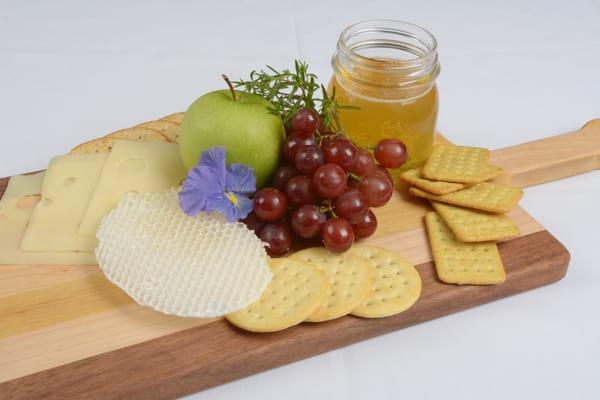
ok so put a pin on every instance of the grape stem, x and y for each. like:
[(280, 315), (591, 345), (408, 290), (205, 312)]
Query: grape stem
[(327, 208), (226, 79), (354, 176)]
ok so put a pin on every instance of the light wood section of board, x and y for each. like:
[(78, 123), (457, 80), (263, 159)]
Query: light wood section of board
[(76, 339), (550, 158), (53, 315), (80, 314)]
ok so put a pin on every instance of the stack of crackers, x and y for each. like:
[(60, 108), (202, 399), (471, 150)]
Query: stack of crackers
[(469, 215), (165, 129), (316, 285)]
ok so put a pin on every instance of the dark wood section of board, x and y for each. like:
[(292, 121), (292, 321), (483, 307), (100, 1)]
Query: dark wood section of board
[(216, 353), (3, 183)]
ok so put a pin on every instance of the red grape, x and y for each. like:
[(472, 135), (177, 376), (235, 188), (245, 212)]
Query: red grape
[(338, 235), (339, 151), (300, 191), (253, 223), (288, 129), (351, 205), (382, 172), (366, 227), (376, 188), (305, 121), (293, 143), (391, 153), (308, 159), (283, 174), (363, 163), (270, 204), (329, 181), (279, 237), (307, 221)]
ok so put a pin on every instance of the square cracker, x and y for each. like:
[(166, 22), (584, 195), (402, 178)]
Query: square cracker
[(460, 164), (462, 263), (475, 226), (490, 171), (486, 196), (415, 178)]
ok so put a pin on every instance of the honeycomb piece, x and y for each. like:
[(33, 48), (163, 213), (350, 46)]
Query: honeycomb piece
[(200, 266)]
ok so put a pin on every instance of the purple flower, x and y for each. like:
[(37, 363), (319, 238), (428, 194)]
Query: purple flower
[(213, 186)]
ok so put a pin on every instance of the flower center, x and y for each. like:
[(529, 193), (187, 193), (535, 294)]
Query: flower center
[(232, 198)]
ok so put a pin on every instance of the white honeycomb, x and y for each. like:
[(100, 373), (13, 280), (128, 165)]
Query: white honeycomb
[(199, 266)]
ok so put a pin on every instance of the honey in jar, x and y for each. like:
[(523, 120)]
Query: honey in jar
[(386, 70)]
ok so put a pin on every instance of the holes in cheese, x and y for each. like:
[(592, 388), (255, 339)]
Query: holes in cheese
[(28, 201), (132, 166), (20, 185), (66, 191), (13, 226), (46, 202)]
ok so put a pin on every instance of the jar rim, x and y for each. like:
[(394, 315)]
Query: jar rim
[(390, 26), (389, 34)]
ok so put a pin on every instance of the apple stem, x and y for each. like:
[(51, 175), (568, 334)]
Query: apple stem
[(226, 79)]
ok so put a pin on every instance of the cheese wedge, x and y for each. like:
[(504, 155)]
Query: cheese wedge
[(66, 191), (132, 167)]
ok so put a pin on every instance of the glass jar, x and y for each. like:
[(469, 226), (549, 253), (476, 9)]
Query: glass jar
[(387, 70)]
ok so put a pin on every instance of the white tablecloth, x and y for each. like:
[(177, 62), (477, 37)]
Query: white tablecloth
[(512, 71)]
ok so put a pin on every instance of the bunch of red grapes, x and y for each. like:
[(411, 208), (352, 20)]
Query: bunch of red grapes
[(325, 189)]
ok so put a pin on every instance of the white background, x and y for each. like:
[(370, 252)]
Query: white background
[(512, 71)]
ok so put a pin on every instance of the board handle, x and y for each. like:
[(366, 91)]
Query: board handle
[(551, 158)]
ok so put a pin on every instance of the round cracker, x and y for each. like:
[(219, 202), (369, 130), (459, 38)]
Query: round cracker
[(295, 292), (395, 283), (348, 277)]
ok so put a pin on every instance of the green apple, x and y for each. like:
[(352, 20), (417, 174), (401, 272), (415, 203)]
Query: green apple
[(241, 123)]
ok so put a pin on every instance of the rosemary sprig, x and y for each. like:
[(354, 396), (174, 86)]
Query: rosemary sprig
[(290, 91)]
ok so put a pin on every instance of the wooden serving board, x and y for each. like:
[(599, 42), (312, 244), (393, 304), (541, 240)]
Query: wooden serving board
[(66, 332)]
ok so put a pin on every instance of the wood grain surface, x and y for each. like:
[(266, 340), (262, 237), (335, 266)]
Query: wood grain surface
[(214, 353), (68, 333)]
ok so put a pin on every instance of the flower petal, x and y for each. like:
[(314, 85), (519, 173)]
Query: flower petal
[(240, 179), (198, 186), (215, 158), (204, 179), (232, 211), (191, 202), (219, 203), (244, 206)]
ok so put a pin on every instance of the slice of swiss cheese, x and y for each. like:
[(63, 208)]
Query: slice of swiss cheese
[(132, 167), (14, 214), (66, 192), (23, 185)]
